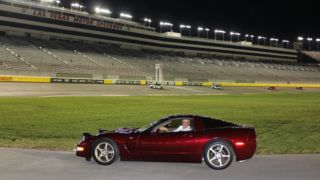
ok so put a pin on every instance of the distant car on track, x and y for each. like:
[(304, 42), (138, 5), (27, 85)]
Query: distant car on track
[(271, 88), (216, 86), (217, 142), (156, 86)]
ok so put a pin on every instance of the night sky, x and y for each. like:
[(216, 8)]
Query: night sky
[(272, 18)]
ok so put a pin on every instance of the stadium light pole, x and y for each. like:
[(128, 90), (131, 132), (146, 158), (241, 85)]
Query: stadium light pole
[(234, 33), (252, 38), (188, 27), (218, 31), (200, 29), (275, 40), (207, 31), (248, 35), (165, 24), (161, 24), (264, 41), (285, 42), (147, 21), (259, 37), (318, 41), (231, 34), (309, 42), (301, 39), (182, 26), (263, 38)]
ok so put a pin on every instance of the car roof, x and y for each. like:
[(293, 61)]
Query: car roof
[(189, 116), (181, 116)]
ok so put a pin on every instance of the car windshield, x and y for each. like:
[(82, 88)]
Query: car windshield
[(147, 126)]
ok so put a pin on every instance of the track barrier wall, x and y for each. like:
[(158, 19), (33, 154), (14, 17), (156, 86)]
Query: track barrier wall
[(33, 79)]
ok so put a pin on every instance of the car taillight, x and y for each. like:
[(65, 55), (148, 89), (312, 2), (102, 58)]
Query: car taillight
[(239, 143)]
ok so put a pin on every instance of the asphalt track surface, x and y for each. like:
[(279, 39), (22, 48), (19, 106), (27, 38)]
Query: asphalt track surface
[(17, 164), (46, 89)]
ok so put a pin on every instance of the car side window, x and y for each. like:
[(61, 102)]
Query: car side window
[(214, 123), (175, 125)]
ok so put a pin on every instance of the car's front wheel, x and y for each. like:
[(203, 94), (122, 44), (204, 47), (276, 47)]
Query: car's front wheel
[(105, 152), (218, 155)]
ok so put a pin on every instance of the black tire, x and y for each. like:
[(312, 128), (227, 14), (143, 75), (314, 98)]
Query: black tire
[(217, 159), (102, 151)]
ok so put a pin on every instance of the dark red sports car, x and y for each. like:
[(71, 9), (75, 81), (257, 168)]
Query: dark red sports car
[(181, 138)]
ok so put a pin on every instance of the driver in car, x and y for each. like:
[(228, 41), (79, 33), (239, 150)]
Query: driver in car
[(184, 127)]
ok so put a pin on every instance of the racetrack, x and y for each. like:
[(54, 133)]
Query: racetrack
[(46, 89), (16, 164)]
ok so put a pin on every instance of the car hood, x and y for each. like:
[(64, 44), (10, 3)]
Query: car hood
[(126, 130), (119, 131)]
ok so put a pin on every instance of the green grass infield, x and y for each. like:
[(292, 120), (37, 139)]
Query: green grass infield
[(285, 123)]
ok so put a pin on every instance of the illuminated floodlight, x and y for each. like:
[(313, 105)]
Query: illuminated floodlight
[(125, 16), (51, 1), (234, 33), (165, 24), (309, 39), (219, 31), (77, 5), (188, 27), (285, 41), (207, 29), (248, 35), (300, 38), (147, 20), (99, 10), (200, 28), (47, 1), (274, 39), (261, 37)]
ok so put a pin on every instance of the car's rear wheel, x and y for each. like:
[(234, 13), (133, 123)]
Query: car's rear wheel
[(105, 152), (218, 155)]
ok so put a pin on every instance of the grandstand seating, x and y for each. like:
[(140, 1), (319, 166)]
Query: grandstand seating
[(34, 56)]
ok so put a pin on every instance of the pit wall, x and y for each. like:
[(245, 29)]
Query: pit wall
[(34, 79)]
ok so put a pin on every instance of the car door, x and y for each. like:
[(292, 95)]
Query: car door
[(172, 146)]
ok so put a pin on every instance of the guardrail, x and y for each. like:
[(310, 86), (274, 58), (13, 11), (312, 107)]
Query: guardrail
[(33, 79)]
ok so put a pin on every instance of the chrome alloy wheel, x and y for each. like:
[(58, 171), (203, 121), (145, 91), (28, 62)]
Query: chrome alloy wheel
[(104, 152), (218, 155)]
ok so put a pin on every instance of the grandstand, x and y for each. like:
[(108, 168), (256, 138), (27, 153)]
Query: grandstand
[(62, 58), (41, 40)]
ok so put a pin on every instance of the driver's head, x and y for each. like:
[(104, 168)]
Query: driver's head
[(185, 123)]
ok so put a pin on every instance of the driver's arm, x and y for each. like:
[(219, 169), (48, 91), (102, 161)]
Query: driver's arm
[(178, 129), (164, 129)]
